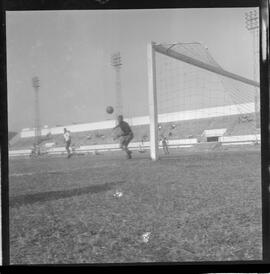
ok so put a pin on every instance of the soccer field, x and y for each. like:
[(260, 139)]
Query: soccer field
[(192, 206)]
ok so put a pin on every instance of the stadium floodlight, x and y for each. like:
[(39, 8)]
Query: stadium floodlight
[(252, 25), (185, 83), (116, 62), (36, 85), (252, 20)]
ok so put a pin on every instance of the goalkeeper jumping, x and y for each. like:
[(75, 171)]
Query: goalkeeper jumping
[(125, 136)]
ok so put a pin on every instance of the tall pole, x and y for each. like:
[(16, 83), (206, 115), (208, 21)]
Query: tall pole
[(152, 97), (36, 85), (116, 63), (252, 25)]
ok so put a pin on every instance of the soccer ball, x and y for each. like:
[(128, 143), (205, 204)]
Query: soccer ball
[(109, 109)]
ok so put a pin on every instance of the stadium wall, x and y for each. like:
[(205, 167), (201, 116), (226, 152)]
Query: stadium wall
[(240, 139), (177, 143)]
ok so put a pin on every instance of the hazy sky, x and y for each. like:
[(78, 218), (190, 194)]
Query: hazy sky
[(70, 51)]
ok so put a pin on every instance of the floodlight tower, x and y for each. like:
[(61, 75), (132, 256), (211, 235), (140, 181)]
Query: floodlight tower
[(252, 25), (36, 85), (116, 63)]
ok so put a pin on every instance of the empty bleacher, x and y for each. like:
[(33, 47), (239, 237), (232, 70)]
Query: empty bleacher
[(234, 125)]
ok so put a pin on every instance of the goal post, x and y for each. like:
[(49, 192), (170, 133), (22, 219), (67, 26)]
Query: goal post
[(195, 60), (152, 96)]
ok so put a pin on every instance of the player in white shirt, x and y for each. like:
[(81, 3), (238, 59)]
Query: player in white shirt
[(67, 138)]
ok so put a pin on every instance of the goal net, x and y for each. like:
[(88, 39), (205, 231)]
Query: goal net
[(190, 94)]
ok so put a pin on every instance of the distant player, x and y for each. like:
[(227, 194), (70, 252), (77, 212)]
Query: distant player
[(67, 138), (35, 151), (164, 142), (126, 136)]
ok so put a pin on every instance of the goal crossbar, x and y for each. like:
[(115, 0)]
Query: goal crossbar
[(187, 59)]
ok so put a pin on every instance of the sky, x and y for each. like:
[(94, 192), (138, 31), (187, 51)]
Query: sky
[(70, 52)]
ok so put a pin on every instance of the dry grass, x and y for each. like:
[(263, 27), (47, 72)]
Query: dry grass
[(196, 206)]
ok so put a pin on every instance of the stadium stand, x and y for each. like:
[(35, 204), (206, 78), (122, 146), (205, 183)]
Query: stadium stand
[(176, 132)]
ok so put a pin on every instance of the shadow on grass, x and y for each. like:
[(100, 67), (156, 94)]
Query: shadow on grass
[(32, 198)]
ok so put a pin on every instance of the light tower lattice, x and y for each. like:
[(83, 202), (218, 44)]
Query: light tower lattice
[(116, 63), (252, 25), (36, 85)]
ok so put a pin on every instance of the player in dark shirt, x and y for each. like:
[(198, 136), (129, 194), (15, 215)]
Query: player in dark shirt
[(126, 135), (164, 142)]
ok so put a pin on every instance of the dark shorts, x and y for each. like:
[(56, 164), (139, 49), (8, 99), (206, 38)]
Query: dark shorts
[(68, 144), (125, 140)]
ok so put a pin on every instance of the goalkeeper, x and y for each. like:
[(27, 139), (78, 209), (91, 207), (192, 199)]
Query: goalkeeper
[(125, 136)]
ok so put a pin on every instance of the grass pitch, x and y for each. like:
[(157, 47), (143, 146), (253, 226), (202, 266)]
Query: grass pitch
[(194, 207)]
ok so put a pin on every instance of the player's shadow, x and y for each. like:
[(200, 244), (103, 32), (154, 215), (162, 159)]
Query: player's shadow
[(32, 198)]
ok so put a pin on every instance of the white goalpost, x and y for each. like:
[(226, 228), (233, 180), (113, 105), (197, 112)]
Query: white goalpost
[(186, 83), (152, 91)]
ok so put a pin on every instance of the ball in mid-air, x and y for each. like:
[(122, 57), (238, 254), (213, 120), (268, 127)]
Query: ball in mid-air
[(109, 109)]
